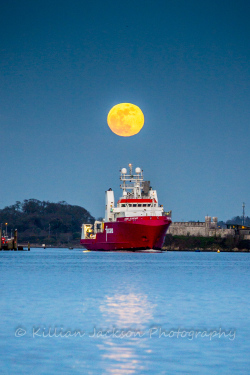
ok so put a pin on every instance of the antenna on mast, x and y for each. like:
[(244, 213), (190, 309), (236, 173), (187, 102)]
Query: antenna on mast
[(130, 168), (243, 213)]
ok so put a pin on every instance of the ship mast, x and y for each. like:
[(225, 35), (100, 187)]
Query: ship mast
[(131, 183)]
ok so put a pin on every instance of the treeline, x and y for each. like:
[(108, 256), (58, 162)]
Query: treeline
[(228, 243), (40, 222), (238, 220)]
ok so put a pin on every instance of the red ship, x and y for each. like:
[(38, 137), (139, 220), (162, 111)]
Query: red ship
[(138, 222)]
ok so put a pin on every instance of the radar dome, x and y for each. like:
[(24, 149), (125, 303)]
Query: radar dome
[(124, 170), (137, 170)]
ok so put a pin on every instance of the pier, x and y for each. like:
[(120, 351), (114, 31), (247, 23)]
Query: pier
[(10, 243)]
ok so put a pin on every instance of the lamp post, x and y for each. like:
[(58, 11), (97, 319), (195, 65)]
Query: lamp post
[(6, 225)]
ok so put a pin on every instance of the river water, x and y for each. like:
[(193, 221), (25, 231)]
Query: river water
[(74, 312)]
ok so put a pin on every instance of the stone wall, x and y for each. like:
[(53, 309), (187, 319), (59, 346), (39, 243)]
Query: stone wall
[(204, 229)]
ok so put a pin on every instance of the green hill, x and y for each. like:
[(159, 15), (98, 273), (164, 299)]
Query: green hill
[(37, 222)]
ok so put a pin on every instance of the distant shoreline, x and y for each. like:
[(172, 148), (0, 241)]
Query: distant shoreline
[(164, 249), (210, 250)]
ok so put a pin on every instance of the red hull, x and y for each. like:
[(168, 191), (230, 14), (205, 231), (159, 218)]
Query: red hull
[(130, 233)]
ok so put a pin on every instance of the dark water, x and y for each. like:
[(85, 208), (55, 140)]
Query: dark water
[(169, 313)]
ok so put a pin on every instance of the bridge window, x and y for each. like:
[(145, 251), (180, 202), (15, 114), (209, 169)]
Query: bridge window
[(134, 205), (123, 205), (139, 204)]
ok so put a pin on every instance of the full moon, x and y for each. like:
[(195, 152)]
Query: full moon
[(125, 119)]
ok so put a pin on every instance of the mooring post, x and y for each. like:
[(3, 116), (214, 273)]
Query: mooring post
[(28, 246), (10, 244), (15, 240)]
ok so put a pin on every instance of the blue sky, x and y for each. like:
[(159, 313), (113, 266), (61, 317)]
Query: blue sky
[(64, 64)]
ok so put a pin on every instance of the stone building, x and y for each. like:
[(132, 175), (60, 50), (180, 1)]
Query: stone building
[(207, 228), (242, 231)]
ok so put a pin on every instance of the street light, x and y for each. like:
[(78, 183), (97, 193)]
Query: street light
[(6, 224)]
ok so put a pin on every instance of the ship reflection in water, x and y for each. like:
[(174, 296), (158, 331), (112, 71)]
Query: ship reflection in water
[(126, 348)]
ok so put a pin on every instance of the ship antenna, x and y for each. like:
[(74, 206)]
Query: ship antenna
[(130, 169)]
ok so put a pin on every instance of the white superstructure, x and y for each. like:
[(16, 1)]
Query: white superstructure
[(138, 198)]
